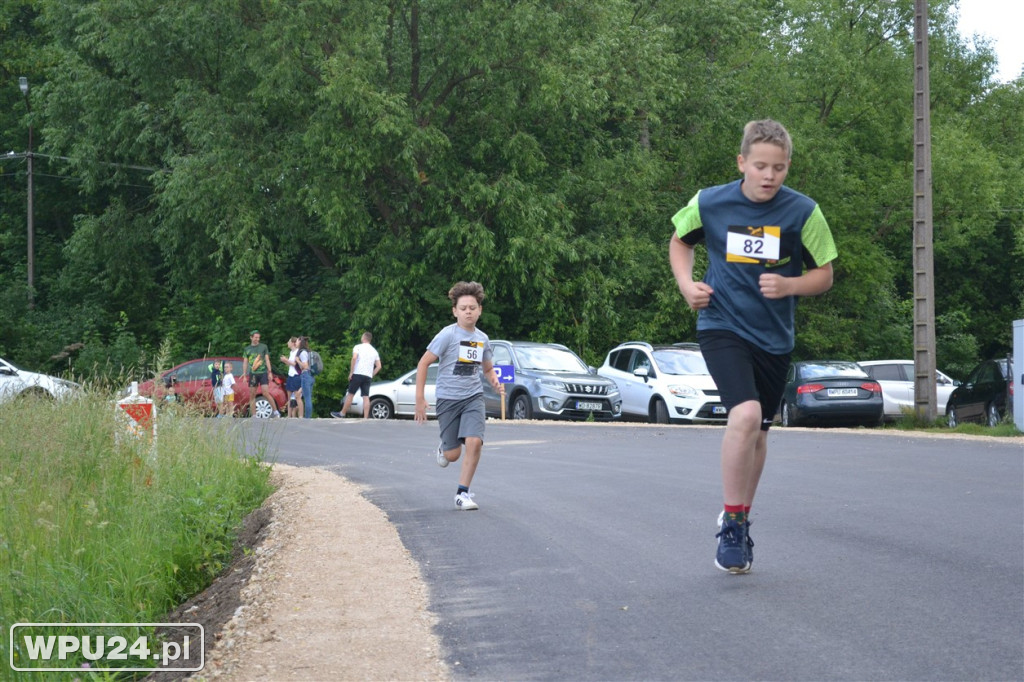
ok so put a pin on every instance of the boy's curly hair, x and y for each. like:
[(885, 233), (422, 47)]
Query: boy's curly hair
[(474, 289)]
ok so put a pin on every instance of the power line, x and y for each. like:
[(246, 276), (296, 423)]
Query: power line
[(36, 155)]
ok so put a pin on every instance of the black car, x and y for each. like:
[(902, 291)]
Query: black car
[(985, 396), (830, 392), (551, 382)]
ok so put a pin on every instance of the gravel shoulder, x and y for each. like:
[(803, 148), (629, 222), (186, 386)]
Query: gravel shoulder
[(331, 593)]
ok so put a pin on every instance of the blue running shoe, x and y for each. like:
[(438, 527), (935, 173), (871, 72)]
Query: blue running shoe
[(750, 549), (732, 548)]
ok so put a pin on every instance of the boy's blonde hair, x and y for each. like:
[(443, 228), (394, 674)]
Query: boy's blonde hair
[(474, 289), (767, 131)]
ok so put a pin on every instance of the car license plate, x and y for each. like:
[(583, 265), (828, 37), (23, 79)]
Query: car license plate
[(718, 409), (842, 393), (589, 407)]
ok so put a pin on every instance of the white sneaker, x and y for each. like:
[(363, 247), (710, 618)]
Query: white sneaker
[(464, 501), (442, 461)]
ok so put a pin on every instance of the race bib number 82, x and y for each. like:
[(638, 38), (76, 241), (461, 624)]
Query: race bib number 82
[(753, 244)]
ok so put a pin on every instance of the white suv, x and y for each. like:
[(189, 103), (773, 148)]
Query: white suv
[(897, 380), (664, 384)]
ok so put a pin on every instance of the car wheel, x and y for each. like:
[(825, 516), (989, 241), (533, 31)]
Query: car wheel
[(30, 394), (951, 418), (521, 408), (264, 407), (993, 414), (381, 409), (786, 419), (659, 412)]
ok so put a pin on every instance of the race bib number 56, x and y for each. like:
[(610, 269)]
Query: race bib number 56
[(471, 355), (753, 244)]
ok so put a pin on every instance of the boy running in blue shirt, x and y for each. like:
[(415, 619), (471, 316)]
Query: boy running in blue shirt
[(759, 236)]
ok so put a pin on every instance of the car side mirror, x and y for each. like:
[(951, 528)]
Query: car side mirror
[(642, 372)]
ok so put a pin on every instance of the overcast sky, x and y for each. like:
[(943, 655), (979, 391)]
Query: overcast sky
[(1002, 21)]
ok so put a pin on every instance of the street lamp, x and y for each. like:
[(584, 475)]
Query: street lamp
[(23, 84)]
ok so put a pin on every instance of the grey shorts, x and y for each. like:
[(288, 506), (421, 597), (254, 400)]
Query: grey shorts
[(460, 419)]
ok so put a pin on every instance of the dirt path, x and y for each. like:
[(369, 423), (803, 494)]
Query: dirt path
[(352, 608)]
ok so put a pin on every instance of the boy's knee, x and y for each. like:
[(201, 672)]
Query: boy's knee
[(746, 415)]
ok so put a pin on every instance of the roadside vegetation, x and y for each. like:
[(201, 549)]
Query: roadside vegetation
[(97, 526), (1004, 429)]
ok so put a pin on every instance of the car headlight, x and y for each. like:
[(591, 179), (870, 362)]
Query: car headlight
[(556, 385), (683, 391)]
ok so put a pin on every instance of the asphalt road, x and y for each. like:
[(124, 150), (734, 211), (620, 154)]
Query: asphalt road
[(878, 556)]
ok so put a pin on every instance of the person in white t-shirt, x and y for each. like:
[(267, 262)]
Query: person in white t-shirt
[(365, 365), (227, 384)]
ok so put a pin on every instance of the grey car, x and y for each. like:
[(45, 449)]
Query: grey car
[(551, 382)]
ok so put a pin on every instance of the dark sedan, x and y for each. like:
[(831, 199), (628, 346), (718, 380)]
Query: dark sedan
[(830, 392), (985, 396)]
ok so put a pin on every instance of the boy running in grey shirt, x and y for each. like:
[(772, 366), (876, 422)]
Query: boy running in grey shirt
[(461, 351)]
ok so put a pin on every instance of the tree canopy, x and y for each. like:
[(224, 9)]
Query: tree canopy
[(308, 167)]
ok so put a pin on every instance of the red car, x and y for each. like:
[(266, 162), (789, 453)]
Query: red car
[(192, 385)]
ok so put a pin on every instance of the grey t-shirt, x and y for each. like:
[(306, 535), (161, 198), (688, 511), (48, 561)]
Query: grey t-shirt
[(460, 356)]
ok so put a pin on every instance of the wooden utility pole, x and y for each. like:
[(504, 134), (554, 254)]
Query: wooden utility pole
[(923, 262)]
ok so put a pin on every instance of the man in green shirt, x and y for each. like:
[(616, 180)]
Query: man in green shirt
[(256, 366)]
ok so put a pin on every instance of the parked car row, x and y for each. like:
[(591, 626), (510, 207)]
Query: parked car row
[(662, 384), (550, 381)]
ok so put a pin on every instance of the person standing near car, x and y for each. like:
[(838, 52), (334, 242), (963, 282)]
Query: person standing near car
[(759, 236), (365, 365), (256, 366), (306, 378), (227, 385), (293, 384), (461, 351)]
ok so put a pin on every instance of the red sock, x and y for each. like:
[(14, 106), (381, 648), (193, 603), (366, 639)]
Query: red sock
[(735, 512)]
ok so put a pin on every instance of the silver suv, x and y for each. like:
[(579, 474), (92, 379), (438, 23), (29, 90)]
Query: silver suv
[(551, 382), (664, 384)]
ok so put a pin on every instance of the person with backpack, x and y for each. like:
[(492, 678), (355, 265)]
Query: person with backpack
[(307, 377), (365, 365)]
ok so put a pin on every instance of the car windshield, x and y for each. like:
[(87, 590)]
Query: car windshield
[(549, 359), (680, 362), (831, 369)]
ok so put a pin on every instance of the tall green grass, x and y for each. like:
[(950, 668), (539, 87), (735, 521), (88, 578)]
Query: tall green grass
[(96, 529)]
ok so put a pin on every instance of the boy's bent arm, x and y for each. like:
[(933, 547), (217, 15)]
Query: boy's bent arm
[(680, 257), (421, 385), (813, 282)]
